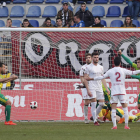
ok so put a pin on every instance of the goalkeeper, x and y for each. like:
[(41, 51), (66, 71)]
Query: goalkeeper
[(3, 100), (137, 67)]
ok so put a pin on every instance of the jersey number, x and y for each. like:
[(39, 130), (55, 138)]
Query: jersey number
[(118, 76)]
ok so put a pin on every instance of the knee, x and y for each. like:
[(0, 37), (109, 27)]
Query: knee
[(8, 102), (101, 104)]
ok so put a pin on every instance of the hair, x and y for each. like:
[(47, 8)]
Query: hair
[(138, 58), (84, 3), (95, 53), (125, 24), (117, 61), (98, 17), (58, 18), (88, 54), (26, 20), (47, 19), (1, 64), (9, 19), (77, 16)]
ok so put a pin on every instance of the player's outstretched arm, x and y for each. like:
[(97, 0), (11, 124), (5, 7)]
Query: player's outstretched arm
[(135, 76), (129, 72), (102, 77), (5, 80)]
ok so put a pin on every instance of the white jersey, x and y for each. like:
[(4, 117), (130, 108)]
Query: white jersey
[(82, 70), (94, 71), (117, 76)]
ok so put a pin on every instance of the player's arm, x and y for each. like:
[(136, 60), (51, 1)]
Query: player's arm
[(135, 76), (129, 72), (5, 80), (102, 77), (105, 85)]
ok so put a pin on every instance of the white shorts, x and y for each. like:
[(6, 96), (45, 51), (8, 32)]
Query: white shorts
[(85, 94), (99, 95), (116, 98)]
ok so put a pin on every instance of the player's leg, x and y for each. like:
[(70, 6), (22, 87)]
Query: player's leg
[(113, 115), (139, 101), (86, 103), (118, 113)]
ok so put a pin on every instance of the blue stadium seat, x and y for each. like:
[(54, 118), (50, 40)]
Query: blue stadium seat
[(50, 11), (2, 24), (78, 8), (66, 1), (7, 2), (17, 11), (53, 22), (113, 11), (98, 11), (100, 1), (88, 2), (36, 1), (19, 1), (103, 22), (4, 12), (116, 23), (52, 1), (34, 11), (125, 12), (136, 22), (116, 1), (16, 23), (34, 23), (70, 8)]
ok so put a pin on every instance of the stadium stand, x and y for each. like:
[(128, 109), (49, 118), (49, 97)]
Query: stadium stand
[(36, 1), (4, 12), (98, 11), (116, 23), (125, 12), (17, 11), (113, 11), (66, 1), (34, 11), (2, 24), (103, 22), (19, 1), (100, 1), (50, 11), (34, 23), (136, 22), (52, 1), (116, 1), (16, 23)]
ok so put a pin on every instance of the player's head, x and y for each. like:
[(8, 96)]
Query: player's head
[(95, 57), (6, 68), (88, 58), (117, 61), (2, 68), (138, 62)]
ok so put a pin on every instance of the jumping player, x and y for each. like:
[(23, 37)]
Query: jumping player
[(3, 100), (117, 76)]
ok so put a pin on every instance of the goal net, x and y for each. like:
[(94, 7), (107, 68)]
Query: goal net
[(48, 62)]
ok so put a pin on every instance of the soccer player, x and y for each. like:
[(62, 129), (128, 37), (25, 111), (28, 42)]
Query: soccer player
[(94, 88), (137, 67), (3, 100), (117, 76)]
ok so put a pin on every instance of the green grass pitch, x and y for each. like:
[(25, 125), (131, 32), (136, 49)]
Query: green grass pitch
[(68, 131)]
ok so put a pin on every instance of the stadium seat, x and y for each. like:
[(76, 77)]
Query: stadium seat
[(17, 11), (36, 1), (66, 1), (50, 11), (88, 2), (70, 8), (116, 23), (78, 8), (100, 1), (113, 11), (98, 11), (125, 12), (103, 22), (34, 23), (4, 12), (136, 22), (16, 23), (52, 1), (2, 24), (116, 1), (19, 1), (53, 22), (8, 2), (34, 11)]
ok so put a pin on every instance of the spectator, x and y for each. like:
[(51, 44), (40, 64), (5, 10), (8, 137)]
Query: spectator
[(133, 8), (128, 22), (78, 22), (65, 14), (47, 23), (85, 15), (58, 22), (71, 23), (26, 23), (97, 22), (3, 3)]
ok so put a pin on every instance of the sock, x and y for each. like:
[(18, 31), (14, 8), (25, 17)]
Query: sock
[(113, 116), (93, 110), (7, 112), (126, 115), (118, 113), (85, 111), (99, 108)]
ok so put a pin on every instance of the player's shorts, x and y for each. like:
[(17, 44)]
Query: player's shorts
[(85, 94), (99, 95), (139, 99), (116, 98), (3, 99)]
